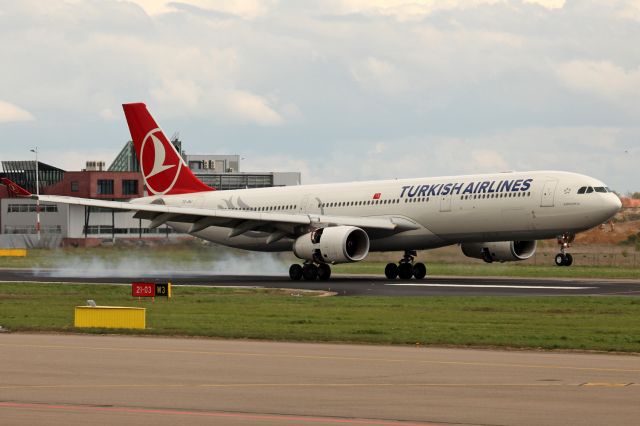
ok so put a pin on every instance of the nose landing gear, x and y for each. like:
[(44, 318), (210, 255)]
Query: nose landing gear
[(563, 258), (406, 268)]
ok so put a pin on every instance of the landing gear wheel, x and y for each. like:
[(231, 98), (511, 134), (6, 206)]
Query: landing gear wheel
[(309, 272), (568, 259), (560, 259), (391, 271), (419, 271), (324, 272), (563, 258), (405, 271), (295, 272)]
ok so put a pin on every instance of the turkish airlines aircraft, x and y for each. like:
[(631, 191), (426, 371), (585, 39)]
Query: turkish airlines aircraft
[(494, 217)]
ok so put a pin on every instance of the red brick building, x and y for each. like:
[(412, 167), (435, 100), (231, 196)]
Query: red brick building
[(99, 184)]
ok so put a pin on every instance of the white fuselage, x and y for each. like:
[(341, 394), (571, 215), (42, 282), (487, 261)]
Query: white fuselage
[(444, 210)]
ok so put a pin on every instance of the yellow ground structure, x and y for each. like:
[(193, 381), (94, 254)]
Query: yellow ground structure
[(13, 252), (110, 317)]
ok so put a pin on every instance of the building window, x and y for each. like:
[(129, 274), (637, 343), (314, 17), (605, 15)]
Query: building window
[(75, 186), (130, 187), (31, 208), (31, 229), (105, 186)]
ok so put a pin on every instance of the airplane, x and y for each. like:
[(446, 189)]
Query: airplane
[(493, 217)]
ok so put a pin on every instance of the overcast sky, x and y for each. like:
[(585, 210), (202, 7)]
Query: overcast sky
[(337, 89)]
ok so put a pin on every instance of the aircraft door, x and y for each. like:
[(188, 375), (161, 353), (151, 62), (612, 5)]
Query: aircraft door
[(548, 193), (445, 203), (302, 208), (309, 204)]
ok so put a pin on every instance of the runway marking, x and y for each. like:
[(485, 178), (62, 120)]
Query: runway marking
[(317, 385), (523, 287), (60, 282), (215, 414), (607, 385), (325, 357)]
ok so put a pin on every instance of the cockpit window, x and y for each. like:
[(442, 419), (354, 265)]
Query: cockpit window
[(591, 189)]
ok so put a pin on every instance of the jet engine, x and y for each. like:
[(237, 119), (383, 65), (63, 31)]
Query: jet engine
[(335, 244), (501, 251)]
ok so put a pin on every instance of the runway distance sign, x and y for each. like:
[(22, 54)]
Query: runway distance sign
[(141, 289)]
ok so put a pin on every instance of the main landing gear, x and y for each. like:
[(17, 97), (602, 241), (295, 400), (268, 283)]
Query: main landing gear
[(406, 268), (310, 271), (563, 258)]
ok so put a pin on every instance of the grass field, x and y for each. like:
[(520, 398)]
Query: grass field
[(584, 323)]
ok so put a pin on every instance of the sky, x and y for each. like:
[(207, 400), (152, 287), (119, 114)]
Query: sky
[(339, 90)]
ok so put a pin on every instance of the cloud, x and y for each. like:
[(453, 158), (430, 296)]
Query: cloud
[(601, 78), (488, 161), (248, 9), (549, 4), (180, 94), (340, 89), (67, 159), (13, 113), (107, 114), (248, 107), (600, 152), (378, 75), (403, 10)]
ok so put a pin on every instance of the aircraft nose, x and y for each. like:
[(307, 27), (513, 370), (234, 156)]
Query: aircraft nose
[(614, 204)]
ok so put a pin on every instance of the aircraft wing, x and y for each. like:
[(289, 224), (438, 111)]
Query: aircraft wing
[(239, 221)]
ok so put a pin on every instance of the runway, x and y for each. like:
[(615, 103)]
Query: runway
[(359, 285), (83, 379)]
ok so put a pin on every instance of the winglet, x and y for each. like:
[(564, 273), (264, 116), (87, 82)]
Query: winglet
[(15, 190)]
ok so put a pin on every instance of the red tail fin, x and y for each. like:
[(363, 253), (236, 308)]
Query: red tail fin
[(163, 169), (15, 190)]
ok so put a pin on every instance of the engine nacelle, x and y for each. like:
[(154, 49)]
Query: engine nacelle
[(500, 251), (335, 244)]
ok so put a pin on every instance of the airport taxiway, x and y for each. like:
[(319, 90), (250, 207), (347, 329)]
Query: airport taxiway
[(347, 285), (88, 379)]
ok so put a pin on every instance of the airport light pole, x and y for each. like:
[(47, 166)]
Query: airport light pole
[(35, 150)]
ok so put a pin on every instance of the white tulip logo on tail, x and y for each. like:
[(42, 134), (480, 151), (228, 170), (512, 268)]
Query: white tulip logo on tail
[(159, 162)]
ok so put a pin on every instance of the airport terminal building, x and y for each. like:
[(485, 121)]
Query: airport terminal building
[(121, 181)]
